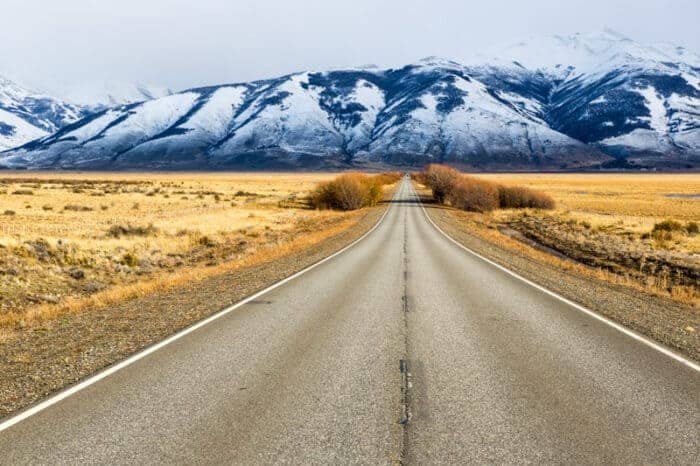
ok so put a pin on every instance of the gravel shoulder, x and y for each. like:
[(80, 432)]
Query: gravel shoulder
[(661, 319), (39, 361)]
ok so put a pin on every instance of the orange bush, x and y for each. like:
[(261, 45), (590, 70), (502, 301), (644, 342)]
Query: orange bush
[(387, 178), (469, 193), (518, 197), (440, 179), (474, 194), (347, 192)]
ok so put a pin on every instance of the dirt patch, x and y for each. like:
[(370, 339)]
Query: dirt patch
[(611, 250)]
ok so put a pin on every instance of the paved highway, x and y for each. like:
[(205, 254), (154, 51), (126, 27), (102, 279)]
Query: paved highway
[(404, 348)]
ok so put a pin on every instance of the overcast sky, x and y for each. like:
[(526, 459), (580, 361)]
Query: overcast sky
[(185, 43)]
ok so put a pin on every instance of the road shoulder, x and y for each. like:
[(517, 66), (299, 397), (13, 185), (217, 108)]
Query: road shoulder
[(658, 318), (39, 361)]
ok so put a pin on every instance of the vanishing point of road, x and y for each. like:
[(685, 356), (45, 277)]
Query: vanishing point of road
[(403, 348)]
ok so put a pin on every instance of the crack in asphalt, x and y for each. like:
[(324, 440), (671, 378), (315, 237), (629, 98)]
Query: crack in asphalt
[(404, 367)]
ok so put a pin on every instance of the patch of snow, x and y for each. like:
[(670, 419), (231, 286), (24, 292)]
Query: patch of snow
[(691, 79), (216, 115), (94, 127), (641, 139), (684, 116), (98, 94), (532, 107), (21, 132), (429, 113), (657, 109), (155, 116), (370, 97)]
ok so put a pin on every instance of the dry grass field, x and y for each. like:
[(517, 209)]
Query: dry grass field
[(614, 224), (71, 240), (75, 240)]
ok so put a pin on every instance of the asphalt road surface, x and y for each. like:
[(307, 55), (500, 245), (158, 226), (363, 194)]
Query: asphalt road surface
[(404, 348)]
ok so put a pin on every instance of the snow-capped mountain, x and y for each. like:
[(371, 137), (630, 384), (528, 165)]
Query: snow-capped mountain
[(415, 114), (560, 102), (98, 95), (26, 115), (606, 90), (584, 54)]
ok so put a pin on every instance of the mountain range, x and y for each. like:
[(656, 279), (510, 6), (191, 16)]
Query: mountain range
[(26, 114), (562, 102)]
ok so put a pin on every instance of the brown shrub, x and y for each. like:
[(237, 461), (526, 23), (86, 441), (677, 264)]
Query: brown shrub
[(77, 208), (347, 192), (668, 225), (387, 178), (440, 179), (518, 197), (130, 259), (206, 241), (117, 231), (473, 194), (665, 230)]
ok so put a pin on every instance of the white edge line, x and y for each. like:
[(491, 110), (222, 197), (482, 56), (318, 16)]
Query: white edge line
[(52, 400), (630, 333)]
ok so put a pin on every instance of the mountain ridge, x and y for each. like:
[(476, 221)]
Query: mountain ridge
[(27, 114), (629, 109)]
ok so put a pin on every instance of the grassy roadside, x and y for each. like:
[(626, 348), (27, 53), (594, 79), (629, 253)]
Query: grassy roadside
[(641, 231), (72, 241), (671, 319), (297, 239), (41, 358)]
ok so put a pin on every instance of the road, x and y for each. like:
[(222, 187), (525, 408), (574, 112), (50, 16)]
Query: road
[(403, 348)]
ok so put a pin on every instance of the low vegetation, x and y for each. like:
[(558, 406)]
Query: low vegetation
[(440, 179), (479, 195), (636, 230), (351, 191), (519, 197), (117, 231), (96, 239), (473, 194)]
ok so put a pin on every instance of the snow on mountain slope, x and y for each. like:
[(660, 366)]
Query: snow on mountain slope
[(455, 118), (288, 117), (605, 89), (187, 140), (527, 108), (584, 53), (27, 115), (98, 95), (416, 114), (14, 131)]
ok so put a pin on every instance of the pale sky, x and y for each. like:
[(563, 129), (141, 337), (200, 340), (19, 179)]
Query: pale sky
[(187, 43)]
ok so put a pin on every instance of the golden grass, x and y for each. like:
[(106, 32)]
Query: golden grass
[(621, 207), (132, 203), (164, 282), (485, 230), (631, 195), (633, 202), (188, 225)]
